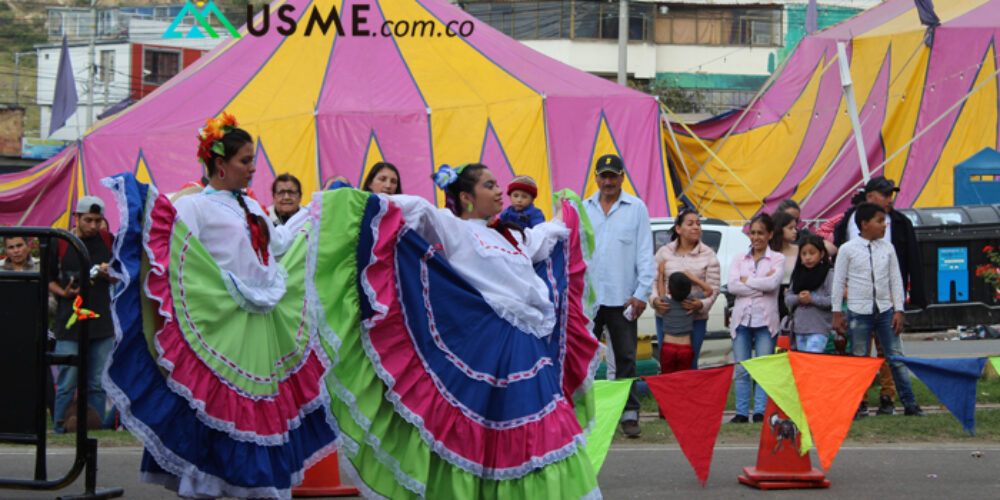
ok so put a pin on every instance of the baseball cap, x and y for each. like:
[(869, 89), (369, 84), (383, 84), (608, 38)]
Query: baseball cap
[(880, 184), (610, 163), (90, 205)]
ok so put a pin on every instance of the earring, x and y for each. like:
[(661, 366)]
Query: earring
[(470, 207), (222, 174)]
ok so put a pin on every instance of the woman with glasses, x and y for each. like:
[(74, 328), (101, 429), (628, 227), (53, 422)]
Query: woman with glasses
[(286, 191)]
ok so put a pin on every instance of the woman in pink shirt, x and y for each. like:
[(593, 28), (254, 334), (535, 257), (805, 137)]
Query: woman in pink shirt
[(754, 278), (686, 252)]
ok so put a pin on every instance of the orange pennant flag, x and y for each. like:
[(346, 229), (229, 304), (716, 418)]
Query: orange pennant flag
[(830, 388)]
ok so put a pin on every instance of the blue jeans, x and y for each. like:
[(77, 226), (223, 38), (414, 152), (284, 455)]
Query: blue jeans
[(697, 337), (860, 328), (66, 379), (746, 339)]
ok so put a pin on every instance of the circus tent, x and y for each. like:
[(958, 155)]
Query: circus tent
[(324, 105), (922, 111)]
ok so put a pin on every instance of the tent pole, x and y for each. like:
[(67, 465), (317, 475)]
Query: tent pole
[(916, 136), (852, 108)]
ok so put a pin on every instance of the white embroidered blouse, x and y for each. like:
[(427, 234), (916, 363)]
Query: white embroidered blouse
[(503, 274), (219, 223)]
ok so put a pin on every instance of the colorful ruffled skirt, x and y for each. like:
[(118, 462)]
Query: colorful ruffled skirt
[(378, 348)]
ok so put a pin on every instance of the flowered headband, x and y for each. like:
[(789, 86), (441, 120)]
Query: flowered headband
[(447, 174), (210, 138)]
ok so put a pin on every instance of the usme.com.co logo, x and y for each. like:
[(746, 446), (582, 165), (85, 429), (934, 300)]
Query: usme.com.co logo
[(287, 25)]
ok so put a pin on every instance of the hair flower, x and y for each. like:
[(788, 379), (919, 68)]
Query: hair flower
[(210, 136), (444, 176)]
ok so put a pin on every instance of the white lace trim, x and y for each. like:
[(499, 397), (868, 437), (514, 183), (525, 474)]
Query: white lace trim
[(359, 483)]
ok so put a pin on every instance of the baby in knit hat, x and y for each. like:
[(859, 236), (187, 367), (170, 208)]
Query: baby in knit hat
[(522, 192)]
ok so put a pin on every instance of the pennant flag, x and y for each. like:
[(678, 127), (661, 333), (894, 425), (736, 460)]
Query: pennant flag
[(64, 99), (610, 396), (693, 402), (830, 388), (774, 374), (996, 364), (811, 17), (953, 381)]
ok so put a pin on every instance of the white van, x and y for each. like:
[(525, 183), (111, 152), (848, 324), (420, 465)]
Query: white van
[(727, 241)]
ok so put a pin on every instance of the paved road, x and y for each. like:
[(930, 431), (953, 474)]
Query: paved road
[(661, 471)]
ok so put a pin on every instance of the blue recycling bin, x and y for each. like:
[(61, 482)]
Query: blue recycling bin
[(953, 274)]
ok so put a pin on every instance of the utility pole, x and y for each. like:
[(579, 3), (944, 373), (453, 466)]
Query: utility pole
[(90, 67), (622, 42), (17, 73)]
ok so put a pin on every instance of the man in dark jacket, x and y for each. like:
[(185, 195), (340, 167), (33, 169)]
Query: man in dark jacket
[(899, 231)]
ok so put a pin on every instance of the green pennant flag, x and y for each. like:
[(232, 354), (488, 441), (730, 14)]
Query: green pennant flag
[(610, 397), (774, 374), (996, 364)]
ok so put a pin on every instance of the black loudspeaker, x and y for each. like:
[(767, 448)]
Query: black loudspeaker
[(23, 379)]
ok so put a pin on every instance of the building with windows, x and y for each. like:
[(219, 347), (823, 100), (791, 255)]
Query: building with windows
[(131, 58), (701, 56)]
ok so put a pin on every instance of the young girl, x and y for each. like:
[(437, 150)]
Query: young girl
[(677, 323), (782, 241), (754, 278), (808, 297)]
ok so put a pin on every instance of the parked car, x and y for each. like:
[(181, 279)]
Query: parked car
[(727, 241)]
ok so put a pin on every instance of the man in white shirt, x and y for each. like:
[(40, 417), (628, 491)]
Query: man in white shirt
[(868, 267), (622, 271)]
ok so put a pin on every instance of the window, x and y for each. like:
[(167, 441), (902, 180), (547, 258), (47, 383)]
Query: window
[(755, 26), (159, 65), (107, 69), (527, 20)]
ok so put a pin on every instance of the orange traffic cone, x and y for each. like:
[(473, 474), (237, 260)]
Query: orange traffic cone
[(323, 480), (779, 464)]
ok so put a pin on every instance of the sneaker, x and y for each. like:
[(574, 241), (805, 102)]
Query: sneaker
[(885, 406), (914, 411), (739, 419), (631, 429), (758, 418), (862, 411)]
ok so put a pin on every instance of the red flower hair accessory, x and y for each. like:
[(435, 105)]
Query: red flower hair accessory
[(210, 138)]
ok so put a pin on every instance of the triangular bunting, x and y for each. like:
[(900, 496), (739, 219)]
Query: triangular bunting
[(774, 374), (692, 402), (610, 397), (953, 381), (830, 388), (996, 364)]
